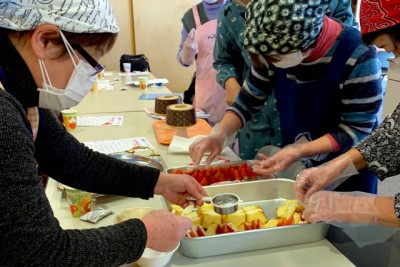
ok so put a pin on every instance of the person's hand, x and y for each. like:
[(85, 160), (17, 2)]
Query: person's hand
[(232, 88), (277, 163), (165, 230), (334, 172), (311, 180), (214, 143), (190, 48), (341, 208), (176, 187)]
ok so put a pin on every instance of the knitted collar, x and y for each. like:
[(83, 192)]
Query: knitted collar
[(15, 75)]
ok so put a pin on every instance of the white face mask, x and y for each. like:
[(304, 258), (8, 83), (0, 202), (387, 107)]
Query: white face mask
[(79, 84), (292, 59), (211, 1)]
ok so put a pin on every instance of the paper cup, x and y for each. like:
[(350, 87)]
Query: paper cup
[(127, 67), (69, 118), (80, 202), (143, 82)]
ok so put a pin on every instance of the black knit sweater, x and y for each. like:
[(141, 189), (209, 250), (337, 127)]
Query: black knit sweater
[(30, 235)]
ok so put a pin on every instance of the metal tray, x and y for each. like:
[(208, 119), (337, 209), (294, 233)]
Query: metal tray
[(131, 158), (268, 194)]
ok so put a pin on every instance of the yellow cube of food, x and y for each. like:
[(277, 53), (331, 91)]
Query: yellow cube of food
[(255, 213), (209, 217), (211, 230), (287, 209), (194, 216), (205, 207), (176, 209), (272, 223), (297, 218), (237, 218)]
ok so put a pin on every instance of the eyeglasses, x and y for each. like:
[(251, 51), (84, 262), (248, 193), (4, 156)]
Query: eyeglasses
[(96, 65)]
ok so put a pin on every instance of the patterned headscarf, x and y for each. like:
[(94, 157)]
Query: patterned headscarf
[(78, 16), (378, 14), (276, 27)]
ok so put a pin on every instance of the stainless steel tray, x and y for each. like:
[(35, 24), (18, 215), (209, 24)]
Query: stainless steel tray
[(268, 194), (145, 161)]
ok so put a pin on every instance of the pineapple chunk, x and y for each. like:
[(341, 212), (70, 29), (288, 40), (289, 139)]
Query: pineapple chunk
[(205, 207), (288, 209), (237, 218), (176, 209), (194, 216), (255, 213), (209, 217), (297, 218), (272, 223), (211, 230)]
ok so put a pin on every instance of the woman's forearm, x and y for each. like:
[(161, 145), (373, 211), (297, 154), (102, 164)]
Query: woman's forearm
[(387, 215)]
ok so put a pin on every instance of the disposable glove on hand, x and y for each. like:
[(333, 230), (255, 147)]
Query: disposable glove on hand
[(332, 173), (213, 144), (279, 162), (190, 48), (340, 208)]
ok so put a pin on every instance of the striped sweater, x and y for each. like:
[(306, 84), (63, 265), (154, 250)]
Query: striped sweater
[(360, 91)]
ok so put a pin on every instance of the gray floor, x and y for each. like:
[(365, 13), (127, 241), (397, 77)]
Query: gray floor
[(389, 186)]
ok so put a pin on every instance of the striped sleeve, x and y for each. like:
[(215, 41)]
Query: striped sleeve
[(253, 94), (361, 97)]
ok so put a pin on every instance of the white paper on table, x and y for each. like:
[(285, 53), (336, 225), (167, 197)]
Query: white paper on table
[(149, 82), (118, 145), (100, 120), (104, 85), (180, 145), (108, 74), (135, 73)]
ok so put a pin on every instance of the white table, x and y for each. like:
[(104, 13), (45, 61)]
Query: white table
[(117, 100), (321, 253)]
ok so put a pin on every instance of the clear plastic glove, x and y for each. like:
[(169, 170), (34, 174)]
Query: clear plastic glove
[(176, 187), (278, 162), (339, 208), (190, 48), (327, 176), (165, 229), (213, 144)]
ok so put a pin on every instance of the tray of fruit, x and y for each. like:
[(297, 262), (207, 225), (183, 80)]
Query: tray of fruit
[(268, 216), (235, 171)]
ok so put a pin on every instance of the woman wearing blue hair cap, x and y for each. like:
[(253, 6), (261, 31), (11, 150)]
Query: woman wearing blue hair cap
[(48, 60), (325, 80)]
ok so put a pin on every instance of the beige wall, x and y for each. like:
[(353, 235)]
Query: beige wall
[(153, 28), (158, 34), (125, 42)]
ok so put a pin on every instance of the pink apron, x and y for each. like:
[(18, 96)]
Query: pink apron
[(209, 95)]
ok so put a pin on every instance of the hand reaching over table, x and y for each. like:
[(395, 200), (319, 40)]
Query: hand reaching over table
[(165, 230), (176, 187)]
